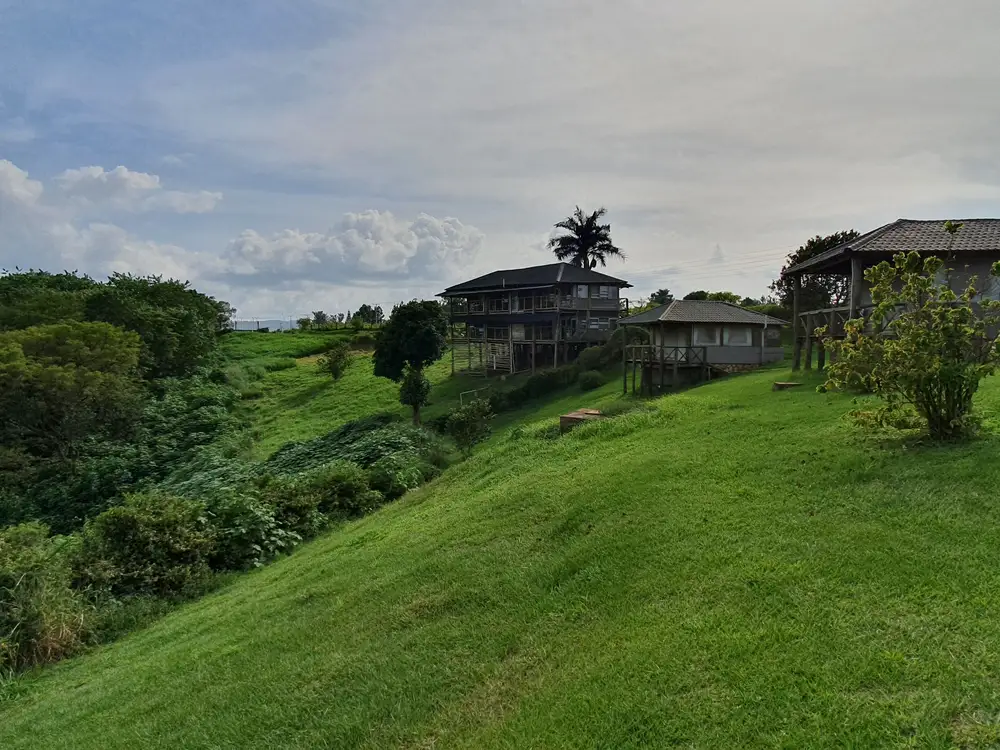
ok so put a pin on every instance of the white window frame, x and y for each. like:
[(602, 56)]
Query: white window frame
[(697, 341), (581, 291), (727, 336)]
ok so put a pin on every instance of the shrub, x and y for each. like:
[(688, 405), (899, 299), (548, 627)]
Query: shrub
[(153, 544), (41, 617), (594, 358), (538, 385), (414, 390), (470, 424), (363, 342), (589, 380), (336, 359), (247, 531), (393, 476), (939, 349)]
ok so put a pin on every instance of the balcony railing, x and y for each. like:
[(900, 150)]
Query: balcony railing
[(652, 354)]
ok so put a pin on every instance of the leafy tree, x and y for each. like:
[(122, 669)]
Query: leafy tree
[(37, 298), (304, 324), (661, 297), (178, 326), (320, 318), (340, 317), (336, 359), (700, 294), (378, 317), (413, 338), (470, 424), (65, 383), (751, 302), (586, 241), (942, 344), (357, 323), (365, 314), (819, 291)]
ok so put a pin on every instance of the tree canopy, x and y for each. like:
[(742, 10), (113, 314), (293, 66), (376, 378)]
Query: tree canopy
[(414, 337), (585, 242), (818, 291), (661, 297)]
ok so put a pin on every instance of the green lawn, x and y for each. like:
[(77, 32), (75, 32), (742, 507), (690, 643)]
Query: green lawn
[(738, 568)]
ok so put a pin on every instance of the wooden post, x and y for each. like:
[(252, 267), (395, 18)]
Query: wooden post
[(796, 323), (624, 360), (555, 332), (533, 346), (809, 341), (857, 286), (510, 346), (677, 356), (633, 373), (821, 355), (663, 364)]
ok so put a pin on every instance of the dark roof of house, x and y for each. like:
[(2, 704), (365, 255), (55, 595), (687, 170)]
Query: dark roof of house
[(547, 275), (701, 311), (904, 235)]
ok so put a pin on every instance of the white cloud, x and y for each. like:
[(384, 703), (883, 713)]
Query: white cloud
[(124, 190), (50, 234), (367, 247)]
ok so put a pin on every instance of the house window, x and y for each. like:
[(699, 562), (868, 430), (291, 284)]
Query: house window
[(706, 336), (600, 324), (517, 332), (501, 304), (582, 291), (737, 336), (543, 332), (500, 332)]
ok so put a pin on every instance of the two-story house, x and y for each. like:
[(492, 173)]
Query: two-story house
[(525, 319)]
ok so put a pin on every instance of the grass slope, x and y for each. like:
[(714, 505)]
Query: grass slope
[(738, 568)]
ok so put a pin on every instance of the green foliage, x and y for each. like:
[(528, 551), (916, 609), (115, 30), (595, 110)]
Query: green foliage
[(413, 338), (772, 309), (336, 359), (414, 391), (41, 618), (594, 358), (247, 530), (63, 383), (178, 325), (661, 297), (35, 298), (363, 441), (818, 291), (152, 544), (584, 241), (589, 380), (394, 475), (939, 348), (357, 323), (470, 424), (364, 342), (536, 386), (701, 294)]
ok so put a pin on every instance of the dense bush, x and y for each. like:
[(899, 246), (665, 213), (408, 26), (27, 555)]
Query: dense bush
[(247, 531), (152, 544), (540, 384), (589, 380), (364, 341), (363, 441), (42, 619), (396, 474), (470, 424), (594, 358)]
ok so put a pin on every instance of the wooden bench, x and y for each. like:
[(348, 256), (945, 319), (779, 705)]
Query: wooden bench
[(784, 386)]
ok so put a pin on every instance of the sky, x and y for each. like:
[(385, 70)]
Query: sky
[(317, 154)]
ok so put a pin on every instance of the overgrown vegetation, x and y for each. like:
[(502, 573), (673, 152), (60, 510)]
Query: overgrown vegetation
[(924, 350), (120, 431), (470, 424)]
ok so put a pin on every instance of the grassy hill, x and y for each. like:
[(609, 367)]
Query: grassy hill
[(735, 568)]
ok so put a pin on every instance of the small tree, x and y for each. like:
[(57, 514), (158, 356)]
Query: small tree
[(414, 390), (378, 317), (413, 338), (336, 359), (470, 424), (357, 322), (700, 294), (320, 318), (940, 345), (304, 324)]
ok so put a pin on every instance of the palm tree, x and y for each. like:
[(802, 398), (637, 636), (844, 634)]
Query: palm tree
[(586, 242)]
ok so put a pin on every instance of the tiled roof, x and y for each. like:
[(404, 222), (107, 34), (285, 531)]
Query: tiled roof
[(551, 273), (701, 311), (904, 235)]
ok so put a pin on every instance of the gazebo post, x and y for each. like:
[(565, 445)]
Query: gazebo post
[(796, 323)]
